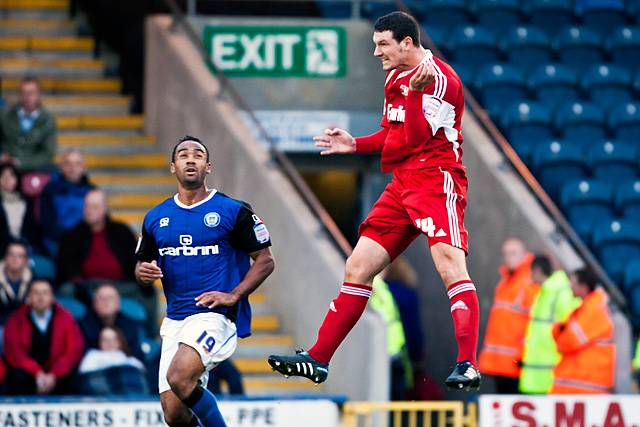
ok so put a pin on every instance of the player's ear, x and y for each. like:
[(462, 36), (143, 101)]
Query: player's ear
[(209, 168), (172, 167)]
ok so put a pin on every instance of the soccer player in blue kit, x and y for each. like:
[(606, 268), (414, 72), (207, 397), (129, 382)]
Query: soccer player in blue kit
[(200, 243)]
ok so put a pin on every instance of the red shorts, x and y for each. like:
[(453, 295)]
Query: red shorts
[(429, 201)]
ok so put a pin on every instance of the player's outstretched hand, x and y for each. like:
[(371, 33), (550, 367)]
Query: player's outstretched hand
[(148, 272), (214, 299), (423, 77), (335, 141)]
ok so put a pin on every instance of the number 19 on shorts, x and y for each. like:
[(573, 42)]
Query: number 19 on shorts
[(207, 341)]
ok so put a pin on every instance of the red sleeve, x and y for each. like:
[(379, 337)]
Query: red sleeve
[(372, 143), (417, 129), (73, 347), (15, 352)]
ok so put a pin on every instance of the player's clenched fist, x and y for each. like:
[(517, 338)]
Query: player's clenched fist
[(148, 272), (424, 76), (336, 141)]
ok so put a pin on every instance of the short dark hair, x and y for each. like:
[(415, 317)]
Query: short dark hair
[(31, 79), (543, 263), (188, 138), (586, 276), (401, 25), (38, 280), (16, 242)]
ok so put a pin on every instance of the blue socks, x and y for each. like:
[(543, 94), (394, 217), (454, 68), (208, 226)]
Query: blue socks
[(204, 405)]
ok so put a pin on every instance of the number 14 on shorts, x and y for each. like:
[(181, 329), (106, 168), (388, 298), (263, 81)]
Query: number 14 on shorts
[(207, 341)]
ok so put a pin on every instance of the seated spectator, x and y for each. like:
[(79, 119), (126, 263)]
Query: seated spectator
[(110, 369), (15, 276), (227, 372), (62, 199), (585, 341), (43, 345), (17, 216), (97, 247), (28, 130), (106, 312)]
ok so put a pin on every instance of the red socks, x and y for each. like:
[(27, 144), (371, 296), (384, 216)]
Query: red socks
[(466, 318), (344, 312)]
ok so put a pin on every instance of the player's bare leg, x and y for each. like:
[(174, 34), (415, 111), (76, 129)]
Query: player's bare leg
[(183, 377), (368, 259), (176, 413), (451, 265)]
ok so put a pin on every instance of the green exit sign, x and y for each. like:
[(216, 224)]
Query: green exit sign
[(241, 51)]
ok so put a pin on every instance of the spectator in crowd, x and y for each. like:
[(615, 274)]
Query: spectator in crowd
[(43, 345), (63, 198), (97, 247), (106, 313), (17, 215), (554, 304), (15, 276), (585, 341), (28, 130), (110, 368), (501, 354), (226, 372)]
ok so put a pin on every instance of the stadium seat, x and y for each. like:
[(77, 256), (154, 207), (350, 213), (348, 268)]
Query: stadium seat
[(466, 73), (437, 35), (527, 121), (579, 47), (442, 13), (627, 198), (75, 307), (554, 84), (526, 47), (607, 85), (557, 163), (133, 309), (624, 47), (602, 15), (550, 15), (580, 121), (632, 275), (499, 85), (473, 45), (612, 161), (616, 244), (585, 202), (151, 349), (334, 9), (498, 15), (43, 267), (373, 10), (624, 122)]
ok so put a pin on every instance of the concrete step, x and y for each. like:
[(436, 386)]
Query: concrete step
[(85, 140), (133, 218), (93, 122), (73, 67), (135, 200), (137, 161), (125, 183), (35, 4), (88, 105), (249, 366), (34, 44), (262, 345), (37, 27), (264, 385), (69, 85)]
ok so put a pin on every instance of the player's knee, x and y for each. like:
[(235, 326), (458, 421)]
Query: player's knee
[(450, 268), (357, 270), (180, 384)]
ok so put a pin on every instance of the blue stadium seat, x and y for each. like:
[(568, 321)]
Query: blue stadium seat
[(499, 85), (624, 46), (527, 121), (437, 35), (526, 148), (526, 47), (617, 243), (43, 267), (624, 121), (151, 350), (554, 84), (444, 13), (557, 163), (334, 9), (632, 275), (466, 73), (373, 10), (579, 47), (581, 121), (612, 161), (607, 85), (550, 15), (134, 309), (602, 15), (77, 309), (627, 198), (585, 202), (473, 45), (497, 14)]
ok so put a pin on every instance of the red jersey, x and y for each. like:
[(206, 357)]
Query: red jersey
[(420, 129)]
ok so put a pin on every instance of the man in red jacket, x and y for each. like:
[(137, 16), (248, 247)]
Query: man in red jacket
[(43, 345)]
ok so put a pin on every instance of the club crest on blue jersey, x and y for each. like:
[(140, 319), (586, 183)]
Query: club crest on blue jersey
[(212, 219), (164, 222)]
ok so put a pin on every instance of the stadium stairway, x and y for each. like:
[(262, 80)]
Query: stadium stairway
[(37, 38)]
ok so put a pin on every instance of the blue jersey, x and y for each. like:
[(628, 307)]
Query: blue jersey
[(200, 248)]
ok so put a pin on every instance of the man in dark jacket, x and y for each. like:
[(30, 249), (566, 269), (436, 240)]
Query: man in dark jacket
[(43, 345), (62, 199), (28, 131), (15, 276)]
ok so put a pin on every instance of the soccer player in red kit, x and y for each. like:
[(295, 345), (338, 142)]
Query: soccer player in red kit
[(421, 144)]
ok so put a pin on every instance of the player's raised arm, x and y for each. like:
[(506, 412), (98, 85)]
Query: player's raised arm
[(335, 141)]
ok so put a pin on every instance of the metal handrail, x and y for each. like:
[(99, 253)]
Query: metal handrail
[(280, 157), (530, 180)]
